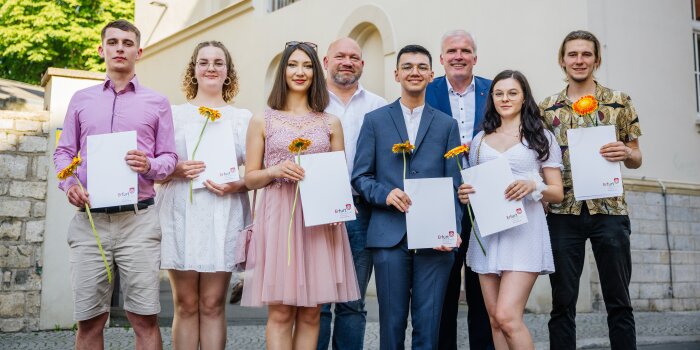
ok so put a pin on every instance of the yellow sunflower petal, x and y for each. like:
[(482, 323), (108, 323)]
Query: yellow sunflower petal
[(585, 105)]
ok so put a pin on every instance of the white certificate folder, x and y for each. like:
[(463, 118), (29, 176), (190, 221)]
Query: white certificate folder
[(593, 176), (217, 150), (110, 180), (325, 191), (430, 220), (493, 212)]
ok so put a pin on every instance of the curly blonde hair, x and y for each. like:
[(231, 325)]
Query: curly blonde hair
[(189, 81)]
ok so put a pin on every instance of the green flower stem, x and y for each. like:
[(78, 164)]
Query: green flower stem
[(471, 217), (195, 151), (97, 236), (473, 230), (291, 218), (404, 167)]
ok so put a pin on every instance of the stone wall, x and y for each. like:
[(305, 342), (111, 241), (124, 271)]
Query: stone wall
[(24, 167), (652, 262)]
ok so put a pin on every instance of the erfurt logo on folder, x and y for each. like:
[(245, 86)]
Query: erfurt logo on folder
[(612, 185), (515, 217), (126, 194), (347, 209), (447, 239), (228, 173)]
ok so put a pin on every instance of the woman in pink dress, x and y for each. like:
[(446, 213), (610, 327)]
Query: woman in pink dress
[(320, 268)]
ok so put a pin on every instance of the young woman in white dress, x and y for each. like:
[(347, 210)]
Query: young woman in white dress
[(513, 128), (199, 236)]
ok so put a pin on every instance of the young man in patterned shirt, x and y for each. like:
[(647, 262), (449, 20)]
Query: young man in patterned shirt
[(603, 221)]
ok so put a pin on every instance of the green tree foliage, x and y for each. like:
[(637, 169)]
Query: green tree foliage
[(38, 34)]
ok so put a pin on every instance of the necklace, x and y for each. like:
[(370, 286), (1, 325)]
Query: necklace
[(509, 134)]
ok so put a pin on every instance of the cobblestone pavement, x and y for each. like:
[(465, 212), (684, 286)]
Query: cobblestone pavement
[(652, 328)]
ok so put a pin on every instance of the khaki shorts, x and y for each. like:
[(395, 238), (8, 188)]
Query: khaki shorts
[(132, 242)]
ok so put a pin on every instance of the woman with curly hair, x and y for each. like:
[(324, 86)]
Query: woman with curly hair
[(198, 235)]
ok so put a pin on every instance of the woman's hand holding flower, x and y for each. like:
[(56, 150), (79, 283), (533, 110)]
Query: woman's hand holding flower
[(287, 170)]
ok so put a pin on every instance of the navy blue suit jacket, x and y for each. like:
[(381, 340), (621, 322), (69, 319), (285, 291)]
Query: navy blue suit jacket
[(437, 96), (377, 170)]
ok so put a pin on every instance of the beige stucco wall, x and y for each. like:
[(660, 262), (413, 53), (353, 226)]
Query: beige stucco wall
[(649, 54), (653, 63), (159, 19)]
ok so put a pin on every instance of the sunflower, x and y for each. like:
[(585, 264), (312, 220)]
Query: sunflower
[(299, 144), (209, 113), (457, 151), (70, 169), (585, 105), (405, 147)]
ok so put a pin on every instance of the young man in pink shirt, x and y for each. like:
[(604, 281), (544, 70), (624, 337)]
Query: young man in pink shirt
[(130, 234)]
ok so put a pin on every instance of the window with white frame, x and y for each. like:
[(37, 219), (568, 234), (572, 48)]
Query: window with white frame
[(274, 5)]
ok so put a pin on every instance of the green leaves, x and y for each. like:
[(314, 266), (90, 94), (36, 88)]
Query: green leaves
[(38, 34)]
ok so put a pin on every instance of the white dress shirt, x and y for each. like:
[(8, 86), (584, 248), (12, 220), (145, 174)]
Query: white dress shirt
[(463, 110), (412, 119), (351, 116)]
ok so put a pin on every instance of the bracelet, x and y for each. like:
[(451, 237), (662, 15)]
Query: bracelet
[(540, 186)]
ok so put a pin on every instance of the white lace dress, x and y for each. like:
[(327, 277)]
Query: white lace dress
[(201, 236), (522, 248)]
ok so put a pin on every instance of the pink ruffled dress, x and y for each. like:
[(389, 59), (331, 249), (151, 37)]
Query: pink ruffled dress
[(321, 269)]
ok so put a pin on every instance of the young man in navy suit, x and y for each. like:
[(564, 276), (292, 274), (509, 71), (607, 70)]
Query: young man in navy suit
[(462, 95), (406, 279)]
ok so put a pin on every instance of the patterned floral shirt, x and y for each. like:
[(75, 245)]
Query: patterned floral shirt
[(615, 108)]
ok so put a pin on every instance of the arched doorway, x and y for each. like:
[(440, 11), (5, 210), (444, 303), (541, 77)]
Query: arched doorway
[(270, 75), (367, 35)]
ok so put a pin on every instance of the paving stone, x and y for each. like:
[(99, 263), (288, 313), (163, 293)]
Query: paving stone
[(591, 332)]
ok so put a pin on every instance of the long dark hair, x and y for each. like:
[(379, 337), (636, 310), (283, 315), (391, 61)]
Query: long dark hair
[(531, 122), (317, 94)]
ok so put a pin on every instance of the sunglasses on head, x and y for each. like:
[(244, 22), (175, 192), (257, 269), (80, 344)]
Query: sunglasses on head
[(297, 43)]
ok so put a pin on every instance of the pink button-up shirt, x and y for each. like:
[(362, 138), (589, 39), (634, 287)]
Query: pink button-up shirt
[(101, 110)]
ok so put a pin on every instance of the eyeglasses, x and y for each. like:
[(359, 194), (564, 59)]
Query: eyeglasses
[(217, 65), (512, 95), (408, 68), (297, 43)]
